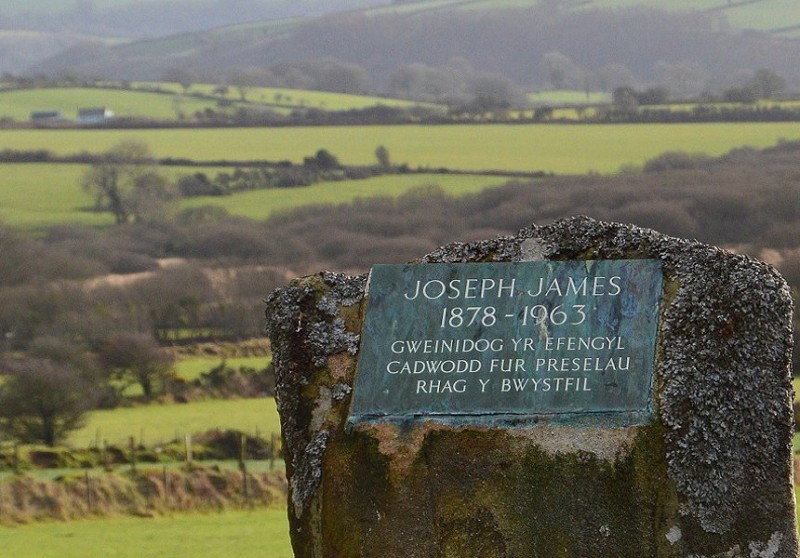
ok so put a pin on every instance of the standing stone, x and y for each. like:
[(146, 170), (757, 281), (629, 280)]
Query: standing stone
[(703, 469)]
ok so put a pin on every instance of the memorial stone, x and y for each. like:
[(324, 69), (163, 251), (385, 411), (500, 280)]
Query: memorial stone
[(581, 389)]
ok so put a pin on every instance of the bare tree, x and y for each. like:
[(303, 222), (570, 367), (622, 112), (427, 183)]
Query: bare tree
[(683, 78), (766, 83), (125, 181), (43, 400), (182, 76), (243, 80), (561, 71), (383, 157), (136, 358), (427, 83), (611, 76)]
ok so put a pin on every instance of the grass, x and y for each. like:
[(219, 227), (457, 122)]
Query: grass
[(260, 204), (564, 149), (253, 466), (191, 368), (18, 105), (155, 423), (169, 104), (291, 98), (754, 15), (36, 196), (244, 534), (40, 195)]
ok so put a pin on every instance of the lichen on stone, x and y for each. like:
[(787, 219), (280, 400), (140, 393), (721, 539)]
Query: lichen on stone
[(308, 472), (306, 328)]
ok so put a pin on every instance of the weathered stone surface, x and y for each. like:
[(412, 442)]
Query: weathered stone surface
[(710, 475)]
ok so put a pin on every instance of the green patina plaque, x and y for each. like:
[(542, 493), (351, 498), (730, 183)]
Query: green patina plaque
[(489, 342)]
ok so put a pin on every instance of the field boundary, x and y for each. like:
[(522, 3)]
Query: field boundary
[(144, 493)]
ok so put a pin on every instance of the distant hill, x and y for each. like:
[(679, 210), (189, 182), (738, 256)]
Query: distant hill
[(136, 19), (152, 18), (19, 49), (701, 46), (34, 30), (781, 17)]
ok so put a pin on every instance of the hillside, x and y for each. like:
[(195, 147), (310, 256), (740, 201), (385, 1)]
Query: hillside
[(697, 50), (775, 16), (152, 18), (35, 30), (22, 47)]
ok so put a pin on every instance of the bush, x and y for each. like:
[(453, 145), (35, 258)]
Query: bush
[(227, 444), (42, 401), (224, 381), (198, 184), (323, 159), (677, 160)]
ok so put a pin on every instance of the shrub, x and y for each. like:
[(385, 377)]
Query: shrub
[(43, 401), (676, 160)]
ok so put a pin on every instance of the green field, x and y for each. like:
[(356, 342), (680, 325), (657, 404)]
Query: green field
[(170, 104), (290, 98), (762, 15), (19, 104), (41, 195), (572, 149), (36, 196), (245, 534), (256, 533), (259, 204), (161, 423), (191, 368)]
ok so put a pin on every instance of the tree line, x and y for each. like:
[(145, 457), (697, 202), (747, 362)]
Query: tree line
[(497, 100)]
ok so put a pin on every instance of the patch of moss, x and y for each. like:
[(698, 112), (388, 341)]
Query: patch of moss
[(483, 492)]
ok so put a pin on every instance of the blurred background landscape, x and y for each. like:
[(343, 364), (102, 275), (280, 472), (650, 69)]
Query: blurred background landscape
[(165, 164)]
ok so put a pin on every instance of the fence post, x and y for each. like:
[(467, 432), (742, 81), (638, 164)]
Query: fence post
[(132, 444), (88, 491), (243, 465), (104, 459), (272, 451), (187, 442), (166, 485)]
